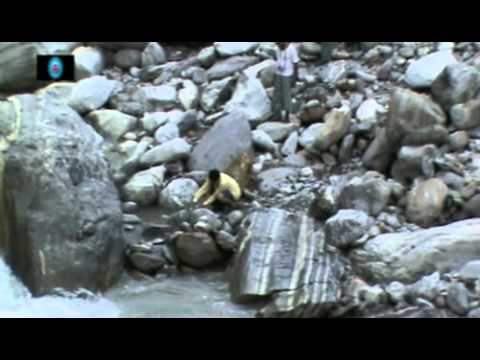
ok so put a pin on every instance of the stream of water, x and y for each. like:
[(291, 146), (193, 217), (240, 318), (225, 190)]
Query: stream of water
[(197, 296)]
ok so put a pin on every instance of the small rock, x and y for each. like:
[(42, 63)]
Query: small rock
[(470, 272), (131, 219), (457, 298), (474, 314), (152, 121), (226, 241), (153, 54), (396, 292), (130, 207), (458, 140), (346, 226), (127, 58), (197, 250)]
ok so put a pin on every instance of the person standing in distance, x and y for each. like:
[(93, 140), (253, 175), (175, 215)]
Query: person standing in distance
[(286, 73)]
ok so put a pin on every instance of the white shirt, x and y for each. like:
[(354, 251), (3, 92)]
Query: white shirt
[(286, 59)]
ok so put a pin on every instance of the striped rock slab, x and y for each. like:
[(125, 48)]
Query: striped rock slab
[(281, 259)]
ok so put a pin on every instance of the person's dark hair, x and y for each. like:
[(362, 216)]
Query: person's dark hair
[(283, 45), (214, 177)]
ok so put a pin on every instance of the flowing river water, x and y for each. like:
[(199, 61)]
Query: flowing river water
[(198, 296)]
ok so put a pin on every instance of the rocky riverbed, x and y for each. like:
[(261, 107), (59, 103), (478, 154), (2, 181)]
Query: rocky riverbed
[(364, 204)]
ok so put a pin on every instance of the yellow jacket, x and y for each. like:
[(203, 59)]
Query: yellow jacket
[(226, 183)]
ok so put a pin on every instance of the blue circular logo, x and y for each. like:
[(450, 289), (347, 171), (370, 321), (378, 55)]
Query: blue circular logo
[(55, 68)]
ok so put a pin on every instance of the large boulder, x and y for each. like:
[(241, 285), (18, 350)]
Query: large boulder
[(225, 49), (18, 61), (197, 250), (143, 187), (426, 201), (369, 193), (112, 124), (414, 119), (60, 215), (457, 84), (177, 194), (250, 98), (173, 150), (88, 62), (91, 94), (422, 73), (281, 259), (227, 146), (216, 94), (230, 66), (337, 124), (408, 256)]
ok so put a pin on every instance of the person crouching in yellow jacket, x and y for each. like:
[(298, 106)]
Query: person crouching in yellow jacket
[(219, 187)]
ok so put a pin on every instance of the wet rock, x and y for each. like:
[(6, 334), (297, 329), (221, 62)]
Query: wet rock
[(458, 140), (153, 54), (309, 135), (263, 141), (91, 94), (472, 207), (324, 205), (74, 236), (423, 72), (414, 161), (408, 256), (457, 84), (207, 216), (457, 298), (88, 62), (231, 138), (148, 262), (345, 227), (272, 180), (152, 121), (144, 186), (112, 124), (173, 150), (369, 193), (267, 264), (127, 58), (328, 159), (226, 49), (276, 130), (266, 50), (230, 66), (426, 201), (166, 133), (466, 116), (337, 124), (197, 250), (177, 194), (216, 94), (251, 99), (291, 144)]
